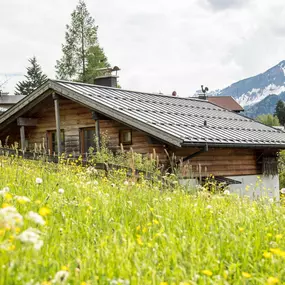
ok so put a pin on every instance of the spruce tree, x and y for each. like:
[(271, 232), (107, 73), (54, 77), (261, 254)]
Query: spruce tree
[(34, 78), (82, 54), (280, 112)]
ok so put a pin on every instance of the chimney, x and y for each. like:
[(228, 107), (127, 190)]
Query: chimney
[(107, 80)]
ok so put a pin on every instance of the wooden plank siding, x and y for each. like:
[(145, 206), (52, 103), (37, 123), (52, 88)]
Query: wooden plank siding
[(73, 117)]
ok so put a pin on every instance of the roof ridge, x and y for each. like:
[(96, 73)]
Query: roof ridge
[(128, 90)]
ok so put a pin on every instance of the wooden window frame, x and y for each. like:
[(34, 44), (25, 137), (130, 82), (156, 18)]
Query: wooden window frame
[(82, 138), (49, 140), (121, 133)]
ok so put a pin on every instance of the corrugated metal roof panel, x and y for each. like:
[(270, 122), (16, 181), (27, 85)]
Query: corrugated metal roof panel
[(191, 119)]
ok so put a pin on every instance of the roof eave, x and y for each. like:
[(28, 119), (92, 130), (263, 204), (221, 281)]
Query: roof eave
[(232, 145)]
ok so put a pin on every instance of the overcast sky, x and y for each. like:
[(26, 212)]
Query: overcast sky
[(160, 45)]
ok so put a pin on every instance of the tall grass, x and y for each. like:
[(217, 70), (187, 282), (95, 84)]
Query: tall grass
[(117, 230)]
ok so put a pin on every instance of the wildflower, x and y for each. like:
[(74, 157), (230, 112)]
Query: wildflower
[(138, 227), (139, 240), (227, 192), (22, 199), (4, 190), (168, 199), (37, 202), (241, 230), (6, 205), (36, 218), (126, 183), (156, 222), (246, 274), (39, 180), (209, 207), (278, 237), (61, 276), (8, 196), (65, 268), (207, 272), (277, 251), (119, 282), (113, 185), (95, 182), (269, 235), (271, 200), (31, 236), (44, 211), (282, 191), (60, 191), (272, 280), (267, 254), (10, 217), (163, 283)]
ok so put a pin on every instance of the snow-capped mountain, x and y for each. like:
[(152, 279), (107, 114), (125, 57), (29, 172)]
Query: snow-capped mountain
[(250, 91)]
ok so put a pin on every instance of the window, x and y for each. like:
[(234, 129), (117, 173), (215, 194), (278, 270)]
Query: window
[(87, 139), (125, 137), (52, 141)]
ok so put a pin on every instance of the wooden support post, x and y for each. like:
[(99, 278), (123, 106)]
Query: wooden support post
[(57, 121), (23, 140), (97, 125)]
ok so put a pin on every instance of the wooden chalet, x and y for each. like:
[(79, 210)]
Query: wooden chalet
[(206, 137)]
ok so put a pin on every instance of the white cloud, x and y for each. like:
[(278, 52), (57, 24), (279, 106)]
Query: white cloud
[(158, 45)]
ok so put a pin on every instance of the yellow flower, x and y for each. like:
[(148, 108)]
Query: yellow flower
[(11, 247), (269, 235), (241, 229), (272, 280), (278, 237), (46, 283), (277, 251), (144, 230), (267, 254), (139, 241), (2, 232), (5, 205), (156, 222), (83, 283), (138, 228), (44, 211), (163, 283), (246, 274), (8, 196), (37, 202), (64, 268), (207, 272)]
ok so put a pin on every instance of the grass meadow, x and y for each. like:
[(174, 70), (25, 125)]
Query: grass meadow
[(65, 224)]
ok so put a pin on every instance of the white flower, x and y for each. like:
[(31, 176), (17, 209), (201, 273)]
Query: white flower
[(227, 192), (4, 190), (133, 183), (22, 199), (113, 185), (167, 199), (39, 180), (126, 183), (282, 191), (31, 236), (271, 200), (60, 191), (36, 218), (209, 207), (95, 182), (119, 282), (61, 276), (10, 217)]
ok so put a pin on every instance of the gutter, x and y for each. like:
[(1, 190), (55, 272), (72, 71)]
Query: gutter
[(234, 145)]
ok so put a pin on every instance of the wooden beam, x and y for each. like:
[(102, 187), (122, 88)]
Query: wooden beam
[(97, 126), (57, 121), (27, 122), (23, 140)]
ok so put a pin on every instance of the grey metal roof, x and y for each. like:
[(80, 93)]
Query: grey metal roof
[(10, 99), (191, 121), (176, 120)]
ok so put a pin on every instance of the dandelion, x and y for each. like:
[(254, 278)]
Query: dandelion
[(61, 276), (126, 183), (22, 199), (278, 237), (168, 199), (60, 191), (4, 190), (207, 272), (39, 180), (241, 230), (36, 218), (8, 196), (31, 236), (10, 217), (163, 283), (272, 280), (267, 254), (65, 268), (246, 274), (113, 185), (155, 222), (44, 211), (282, 191), (227, 192)]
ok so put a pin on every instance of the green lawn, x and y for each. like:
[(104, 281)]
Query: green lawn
[(79, 228)]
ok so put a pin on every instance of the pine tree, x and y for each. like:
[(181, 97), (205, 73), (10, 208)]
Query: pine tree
[(268, 120), (34, 78), (82, 54), (280, 112)]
